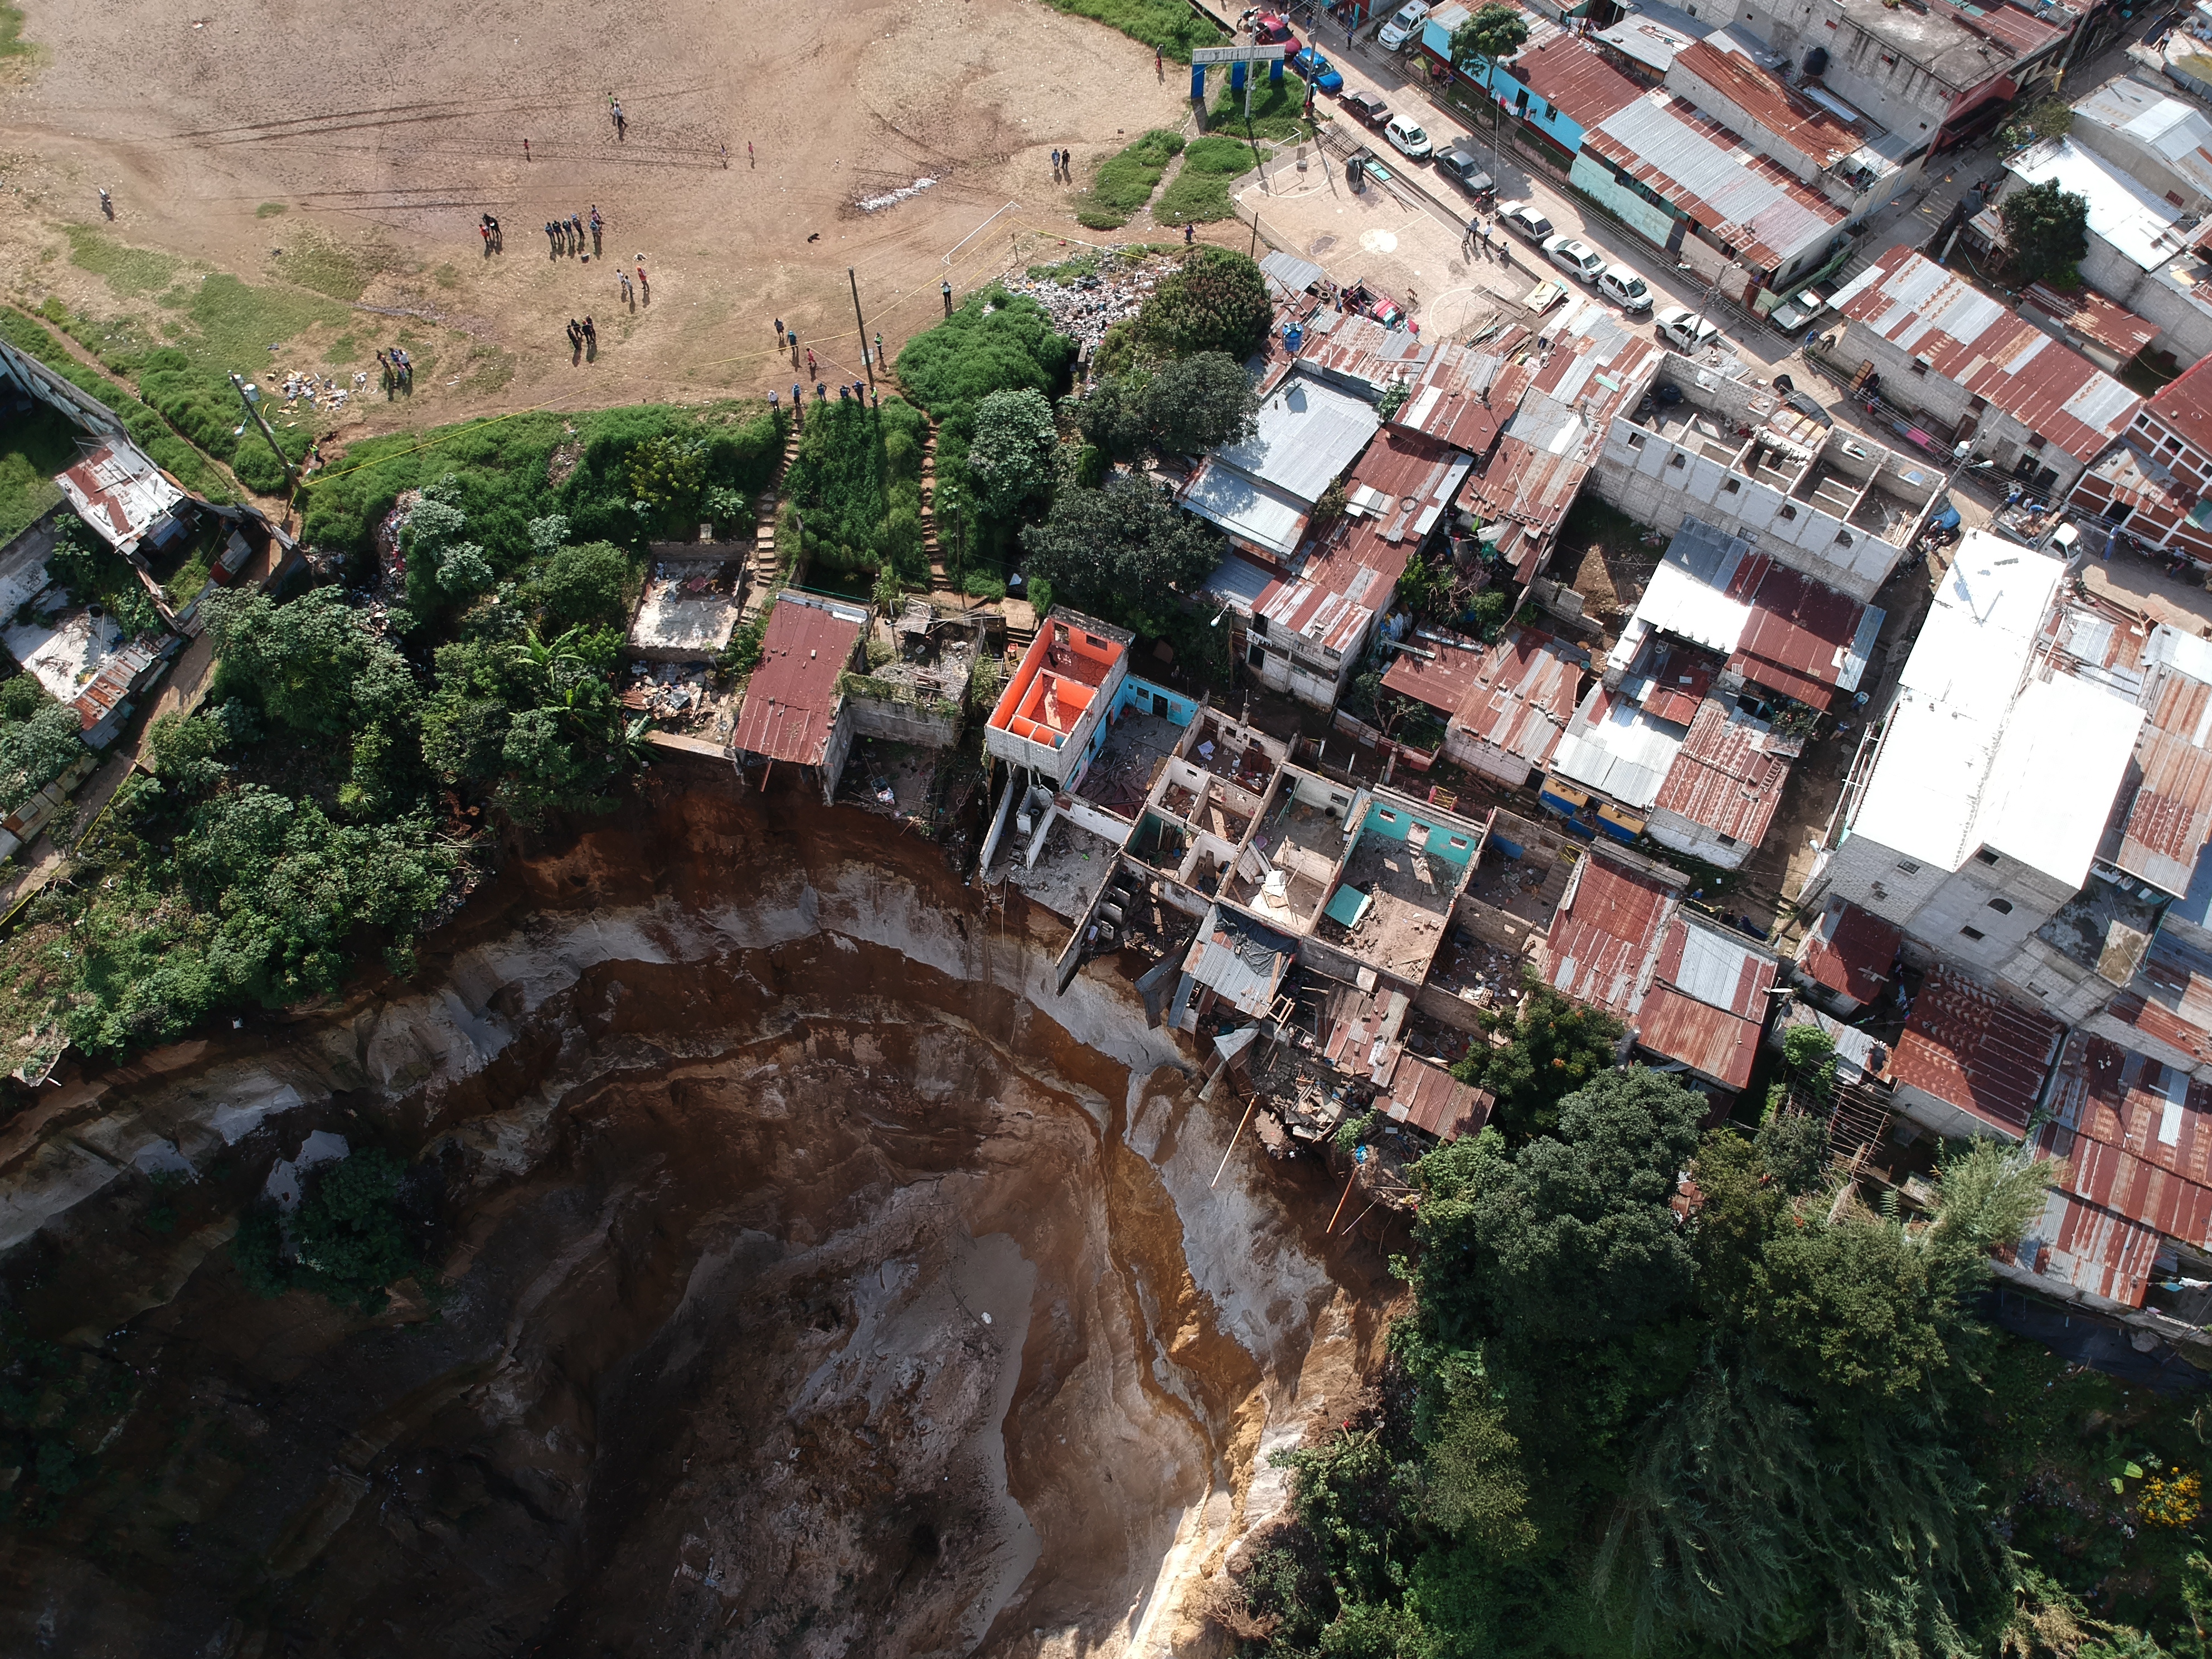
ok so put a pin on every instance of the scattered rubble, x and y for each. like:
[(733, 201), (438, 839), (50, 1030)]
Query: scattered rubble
[(1086, 306)]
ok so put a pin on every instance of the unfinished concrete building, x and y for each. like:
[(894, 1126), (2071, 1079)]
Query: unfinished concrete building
[(1819, 500)]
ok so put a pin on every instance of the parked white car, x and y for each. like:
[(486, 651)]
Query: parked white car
[(1525, 217), (1576, 259), (1406, 138), (1625, 287), (1405, 23), (1680, 328)]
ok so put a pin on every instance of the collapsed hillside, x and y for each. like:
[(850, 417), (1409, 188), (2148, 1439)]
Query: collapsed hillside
[(813, 1281)]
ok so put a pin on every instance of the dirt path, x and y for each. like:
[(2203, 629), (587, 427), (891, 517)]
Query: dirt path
[(881, 137)]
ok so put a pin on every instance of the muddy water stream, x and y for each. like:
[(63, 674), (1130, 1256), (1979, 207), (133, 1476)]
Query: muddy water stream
[(815, 1282)]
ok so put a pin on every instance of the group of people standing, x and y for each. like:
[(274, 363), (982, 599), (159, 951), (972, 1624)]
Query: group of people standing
[(582, 336), (567, 236), (1063, 166), (398, 372)]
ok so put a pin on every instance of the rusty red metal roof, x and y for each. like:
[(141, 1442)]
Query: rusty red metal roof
[(1427, 1097), (2135, 1137), (1531, 489), (1604, 941), (1981, 344), (791, 701), (1799, 636), (1728, 774), (2170, 998), (1525, 695), (1571, 73), (1716, 967), (2185, 405), (2091, 1248), (2091, 315), (1821, 136), (1969, 1047), (1441, 675), (1850, 951), (1679, 679), (1712, 1042), (1464, 395)]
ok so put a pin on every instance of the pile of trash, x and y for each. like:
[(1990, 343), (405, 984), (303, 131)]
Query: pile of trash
[(318, 391), (1085, 307), (667, 691)]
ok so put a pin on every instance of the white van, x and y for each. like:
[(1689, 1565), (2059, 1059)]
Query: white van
[(1405, 23)]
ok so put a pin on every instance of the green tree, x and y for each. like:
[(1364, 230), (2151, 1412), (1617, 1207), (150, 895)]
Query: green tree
[(2046, 232), (1555, 1046), (1215, 300), (34, 752), (1485, 39), (1192, 404), (1580, 1219), (1472, 1482), (312, 664), (1107, 550), (1009, 455), (583, 587)]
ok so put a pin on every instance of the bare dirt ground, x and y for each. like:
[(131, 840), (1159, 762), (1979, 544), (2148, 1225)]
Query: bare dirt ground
[(385, 133)]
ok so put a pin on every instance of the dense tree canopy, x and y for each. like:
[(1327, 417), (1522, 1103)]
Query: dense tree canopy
[(1010, 456), (1104, 549), (2046, 231), (1215, 300)]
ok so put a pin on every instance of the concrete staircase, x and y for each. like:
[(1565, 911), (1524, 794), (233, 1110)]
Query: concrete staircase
[(766, 565), (940, 579), (1021, 626)]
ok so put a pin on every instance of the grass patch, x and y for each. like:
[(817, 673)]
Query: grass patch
[(334, 269), (1168, 26), (12, 44), (1125, 182), (1222, 155), (344, 349), (268, 209), (125, 270), (147, 430), (1278, 109), (32, 448), (237, 324), (488, 368), (1194, 198)]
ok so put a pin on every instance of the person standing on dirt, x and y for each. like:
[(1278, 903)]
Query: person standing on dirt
[(794, 347), (590, 335), (644, 288), (621, 284), (880, 349), (575, 339), (810, 360), (622, 125), (597, 225), (1190, 235), (779, 334), (106, 203)]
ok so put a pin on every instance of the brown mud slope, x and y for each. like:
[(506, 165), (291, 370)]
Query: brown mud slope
[(817, 1283)]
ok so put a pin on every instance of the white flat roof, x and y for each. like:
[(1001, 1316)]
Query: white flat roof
[(2051, 786), (1958, 687), (2132, 217)]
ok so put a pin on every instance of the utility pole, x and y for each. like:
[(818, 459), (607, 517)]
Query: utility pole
[(291, 478), (866, 360)]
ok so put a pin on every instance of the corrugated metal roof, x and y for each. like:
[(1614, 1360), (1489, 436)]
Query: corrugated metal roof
[(1974, 339), (1717, 967), (1966, 1045), (2131, 216), (2092, 316), (1574, 76), (1709, 1041), (1271, 519), (2091, 1248), (1359, 354), (1695, 164), (1524, 695), (1804, 640), (1306, 433), (2170, 998), (1425, 1095), (2135, 1137), (1240, 961), (1289, 275), (1617, 748), (1462, 397), (2185, 406), (1441, 675), (118, 491), (2177, 134), (1822, 137), (791, 701), (1729, 773), (1604, 946), (1851, 951)]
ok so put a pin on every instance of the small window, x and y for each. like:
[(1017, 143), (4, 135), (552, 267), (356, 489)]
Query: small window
[(2172, 445), (1987, 856), (1728, 841), (1973, 933), (1919, 365), (1880, 891), (1675, 459), (1908, 866), (1389, 816), (1732, 486), (2035, 442), (1788, 512), (2003, 907), (1635, 440), (1092, 639), (1842, 538), (1256, 657)]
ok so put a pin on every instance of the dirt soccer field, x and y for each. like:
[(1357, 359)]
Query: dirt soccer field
[(335, 160)]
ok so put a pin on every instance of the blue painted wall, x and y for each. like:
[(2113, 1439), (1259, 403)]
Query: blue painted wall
[(1139, 694), (1536, 110), (1394, 822)]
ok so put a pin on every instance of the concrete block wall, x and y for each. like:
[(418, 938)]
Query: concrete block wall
[(903, 723)]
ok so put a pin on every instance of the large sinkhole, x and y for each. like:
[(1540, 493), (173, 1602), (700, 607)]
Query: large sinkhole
[(811, 1280)]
